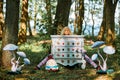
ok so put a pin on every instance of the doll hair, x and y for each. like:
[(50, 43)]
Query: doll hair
[(63, 31)]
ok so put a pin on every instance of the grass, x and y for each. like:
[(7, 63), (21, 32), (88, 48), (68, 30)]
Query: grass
[(37, 52)]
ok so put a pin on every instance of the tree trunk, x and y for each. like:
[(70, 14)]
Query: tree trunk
[(49, 17), (93, 23), (29, 28), (107, 28), (110, 23), (81, 16), (23, 22), (62, 15), (1, 18), (10, 30), (1, 25)]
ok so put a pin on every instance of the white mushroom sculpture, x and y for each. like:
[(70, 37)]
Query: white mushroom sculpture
[(12, 48), (26, 62), (15, 63), (20, 54), (107, 50), (98, 44)]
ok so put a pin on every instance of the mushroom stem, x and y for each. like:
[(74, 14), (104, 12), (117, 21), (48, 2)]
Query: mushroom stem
[(20, 67), (100, 55), (13, 54), (17, 62), (99, 63), (18, 59), (104, 67), (106, 58), (13, 68)]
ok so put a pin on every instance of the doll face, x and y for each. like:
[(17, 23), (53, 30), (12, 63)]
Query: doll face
[(66, 31)]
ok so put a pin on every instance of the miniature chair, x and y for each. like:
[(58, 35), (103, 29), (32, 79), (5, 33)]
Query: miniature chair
[(66, 49)]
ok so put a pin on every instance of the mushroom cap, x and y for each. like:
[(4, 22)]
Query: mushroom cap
[(10, 47), (94, 57), (26, 61), (21, 54), (98, 44), (109, 50)]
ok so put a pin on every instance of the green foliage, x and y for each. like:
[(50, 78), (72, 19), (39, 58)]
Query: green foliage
[(36, 52), (5, 76)]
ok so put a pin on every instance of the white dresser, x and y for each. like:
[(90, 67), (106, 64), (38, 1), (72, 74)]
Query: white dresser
[(66, 49)]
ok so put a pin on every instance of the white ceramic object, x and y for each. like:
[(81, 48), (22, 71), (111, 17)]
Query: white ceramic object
[(94, 57), (51, 65), (10, 47), (14, 65), (98, 44), (104, 66), (109, 50), (21, 54), (26, 61)]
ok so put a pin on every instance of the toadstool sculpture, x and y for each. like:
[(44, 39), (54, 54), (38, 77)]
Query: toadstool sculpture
[(107, 50), (16, 68)]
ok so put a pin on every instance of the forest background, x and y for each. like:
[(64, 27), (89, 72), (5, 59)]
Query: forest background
[(23, 22)]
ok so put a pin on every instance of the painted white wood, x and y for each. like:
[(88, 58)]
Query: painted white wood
[(66, 49)]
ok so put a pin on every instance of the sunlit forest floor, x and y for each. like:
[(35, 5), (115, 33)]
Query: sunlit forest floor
[(36, 52)]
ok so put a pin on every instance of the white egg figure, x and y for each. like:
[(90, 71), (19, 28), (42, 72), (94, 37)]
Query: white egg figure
[(51, 65)]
